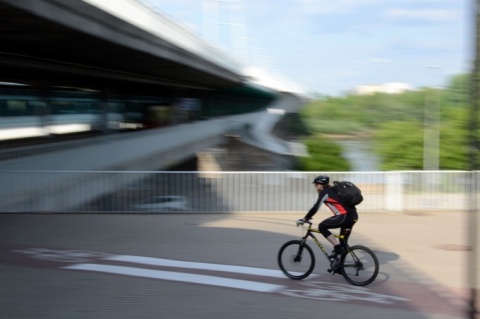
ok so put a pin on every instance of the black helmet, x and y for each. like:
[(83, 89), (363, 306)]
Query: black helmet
[(321, 179)]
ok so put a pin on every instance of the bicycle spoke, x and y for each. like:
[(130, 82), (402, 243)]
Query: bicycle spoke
[(296, 260), (360, 266)]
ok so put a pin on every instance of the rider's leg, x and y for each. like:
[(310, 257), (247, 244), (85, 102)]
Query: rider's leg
[(329, 223), (332, 239), (339, 249), (343, 222), (346, 229)]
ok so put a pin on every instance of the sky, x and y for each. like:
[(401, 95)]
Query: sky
[(331, 46)]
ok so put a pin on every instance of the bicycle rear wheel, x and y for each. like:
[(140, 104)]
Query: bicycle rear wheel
[(296, 260), (359, 266)]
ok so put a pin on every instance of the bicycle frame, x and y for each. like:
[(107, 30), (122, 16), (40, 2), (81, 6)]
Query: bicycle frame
[(310, 232), (297, 259)]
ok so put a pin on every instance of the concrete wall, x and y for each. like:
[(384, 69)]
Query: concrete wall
[(144, 151)]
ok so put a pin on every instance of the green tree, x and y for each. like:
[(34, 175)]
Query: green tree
[(324, 156), (453, 139), (396, 122), (400, 145)]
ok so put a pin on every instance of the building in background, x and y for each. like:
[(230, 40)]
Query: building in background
[(389, 88)]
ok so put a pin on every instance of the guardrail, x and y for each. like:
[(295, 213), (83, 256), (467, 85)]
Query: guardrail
[(222, 192)]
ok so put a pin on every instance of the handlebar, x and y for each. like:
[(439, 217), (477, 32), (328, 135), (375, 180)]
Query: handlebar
[(300, 222)]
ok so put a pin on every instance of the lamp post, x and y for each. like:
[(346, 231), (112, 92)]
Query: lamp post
[(474, 143)]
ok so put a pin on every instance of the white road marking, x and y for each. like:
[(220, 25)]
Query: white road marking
[(195, 265), (309, 289), (181, 277), (85, 261)]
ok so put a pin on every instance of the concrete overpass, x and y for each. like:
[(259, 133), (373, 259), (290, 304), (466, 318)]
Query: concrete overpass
[(141, 151), (89, 45), (121, 46), (75, 43)]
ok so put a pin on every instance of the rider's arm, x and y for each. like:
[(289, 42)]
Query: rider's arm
[(315, 207)]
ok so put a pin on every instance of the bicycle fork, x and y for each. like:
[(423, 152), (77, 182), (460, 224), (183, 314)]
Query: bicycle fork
[(298, 256)]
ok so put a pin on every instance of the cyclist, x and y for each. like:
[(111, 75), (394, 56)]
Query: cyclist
[(344, 216)]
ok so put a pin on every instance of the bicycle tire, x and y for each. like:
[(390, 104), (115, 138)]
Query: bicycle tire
[(359, 266), (294, 266)]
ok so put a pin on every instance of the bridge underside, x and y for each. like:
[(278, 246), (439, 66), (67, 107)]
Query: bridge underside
[(69, 43)]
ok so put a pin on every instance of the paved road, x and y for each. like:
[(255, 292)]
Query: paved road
[(221, 266)]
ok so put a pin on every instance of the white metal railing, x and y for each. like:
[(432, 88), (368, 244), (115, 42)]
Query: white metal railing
[(223, 192)]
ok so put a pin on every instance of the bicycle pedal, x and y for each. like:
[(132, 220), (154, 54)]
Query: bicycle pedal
[(333, 272)]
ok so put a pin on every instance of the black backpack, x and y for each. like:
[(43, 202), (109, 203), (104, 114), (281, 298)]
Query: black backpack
[(349, 192)]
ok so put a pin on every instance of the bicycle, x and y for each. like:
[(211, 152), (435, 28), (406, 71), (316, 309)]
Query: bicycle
[(358, 264)]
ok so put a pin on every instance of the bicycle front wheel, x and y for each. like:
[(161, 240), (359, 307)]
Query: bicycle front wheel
[(296, 259), (359, 266)]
